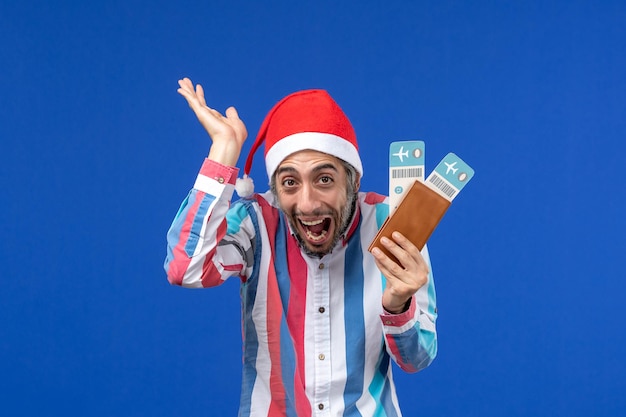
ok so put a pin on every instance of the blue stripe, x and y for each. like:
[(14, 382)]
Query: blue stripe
[(235, 216), (387, 401), (251, 343), (198, 222), (173, 234), (378, 383), (287, 352), (380, 388), (430, 338), (354, 325), (409, 342), (382, 212), (432, 297), (281, 265), (288, 367)]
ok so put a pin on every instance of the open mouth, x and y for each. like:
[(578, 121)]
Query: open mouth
[(316, 230)]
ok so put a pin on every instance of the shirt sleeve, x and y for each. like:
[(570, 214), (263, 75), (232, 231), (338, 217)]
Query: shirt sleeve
[(193, 259), (411, 336)]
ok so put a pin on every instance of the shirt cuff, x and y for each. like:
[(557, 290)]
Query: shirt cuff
[(401, 319), (214, 175)]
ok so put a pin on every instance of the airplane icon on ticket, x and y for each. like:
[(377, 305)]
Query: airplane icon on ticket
[(451, 168), (401, 154)]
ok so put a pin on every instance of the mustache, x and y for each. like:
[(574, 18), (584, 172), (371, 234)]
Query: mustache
[(316, 212)]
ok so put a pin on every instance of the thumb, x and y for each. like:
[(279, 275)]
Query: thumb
[(233, 119), (231, 113)]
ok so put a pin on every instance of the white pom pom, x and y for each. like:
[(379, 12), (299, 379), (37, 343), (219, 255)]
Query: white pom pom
[(244, 186)]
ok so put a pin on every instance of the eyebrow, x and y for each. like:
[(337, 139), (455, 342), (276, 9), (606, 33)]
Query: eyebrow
[(282, 170), (315, 169), (323, 167)]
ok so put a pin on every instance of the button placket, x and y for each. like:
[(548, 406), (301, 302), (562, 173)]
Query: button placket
[(322, 331)]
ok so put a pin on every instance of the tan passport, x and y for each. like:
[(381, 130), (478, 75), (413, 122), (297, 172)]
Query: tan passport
[(416, 217)]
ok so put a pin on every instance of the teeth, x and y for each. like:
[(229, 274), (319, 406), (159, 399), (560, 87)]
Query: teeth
[(314, 237), (312, 222)]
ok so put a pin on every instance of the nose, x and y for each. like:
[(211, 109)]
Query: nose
[(308, 201)]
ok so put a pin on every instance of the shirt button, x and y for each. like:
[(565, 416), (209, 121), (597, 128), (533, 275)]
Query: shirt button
[(322, 309), (388, 322), (220, 180), (320, 406), (321, 266), (321, 356)]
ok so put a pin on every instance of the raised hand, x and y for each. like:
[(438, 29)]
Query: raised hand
[(402, 281), (227, 132)]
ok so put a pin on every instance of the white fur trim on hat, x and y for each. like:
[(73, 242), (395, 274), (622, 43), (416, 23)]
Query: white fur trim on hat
[(322, 142)]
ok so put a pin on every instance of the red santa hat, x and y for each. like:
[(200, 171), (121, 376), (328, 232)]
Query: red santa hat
[(308, 119)]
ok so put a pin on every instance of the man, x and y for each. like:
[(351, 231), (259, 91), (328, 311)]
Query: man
[(322, 317)]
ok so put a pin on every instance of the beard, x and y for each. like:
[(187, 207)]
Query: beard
[(342, 220)]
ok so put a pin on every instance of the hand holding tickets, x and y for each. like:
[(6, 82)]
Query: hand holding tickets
[(423, 205)]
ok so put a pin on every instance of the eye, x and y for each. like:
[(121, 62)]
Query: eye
[(288, 182), (326, 180)]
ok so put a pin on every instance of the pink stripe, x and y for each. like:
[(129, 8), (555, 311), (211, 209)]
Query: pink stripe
[(373, 198), (211, 277), (274, 316), (296, 321), (178, 266), (233, 268), (399, 320), (393, 347), (295, 313), (218, 171)]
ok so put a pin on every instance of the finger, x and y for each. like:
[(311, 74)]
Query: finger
[(200, 95), (186, 84), (405, 259), (195, 98), (232, 118), (186, 90), (400, 278), (412, 250), (189, 96), (389, 268), (404, 242)]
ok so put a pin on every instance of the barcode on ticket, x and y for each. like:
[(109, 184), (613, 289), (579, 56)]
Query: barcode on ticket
[(406, 165), (450, 176), (417, 172), (442, 185)]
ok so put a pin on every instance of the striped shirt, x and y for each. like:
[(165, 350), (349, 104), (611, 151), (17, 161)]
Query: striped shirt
[(316, 339)]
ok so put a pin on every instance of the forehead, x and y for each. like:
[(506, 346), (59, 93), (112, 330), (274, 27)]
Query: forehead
[(307, 160)]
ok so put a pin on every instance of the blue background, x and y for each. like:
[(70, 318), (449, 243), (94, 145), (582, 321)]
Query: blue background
[(97, 151)]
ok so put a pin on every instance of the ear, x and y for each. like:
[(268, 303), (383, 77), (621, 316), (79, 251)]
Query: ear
[(357, 182)]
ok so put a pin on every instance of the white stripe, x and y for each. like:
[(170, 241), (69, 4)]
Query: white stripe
[(261, 395), (338, 334), (394, 393), (401, 329), (318, 330), (209, 185)]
